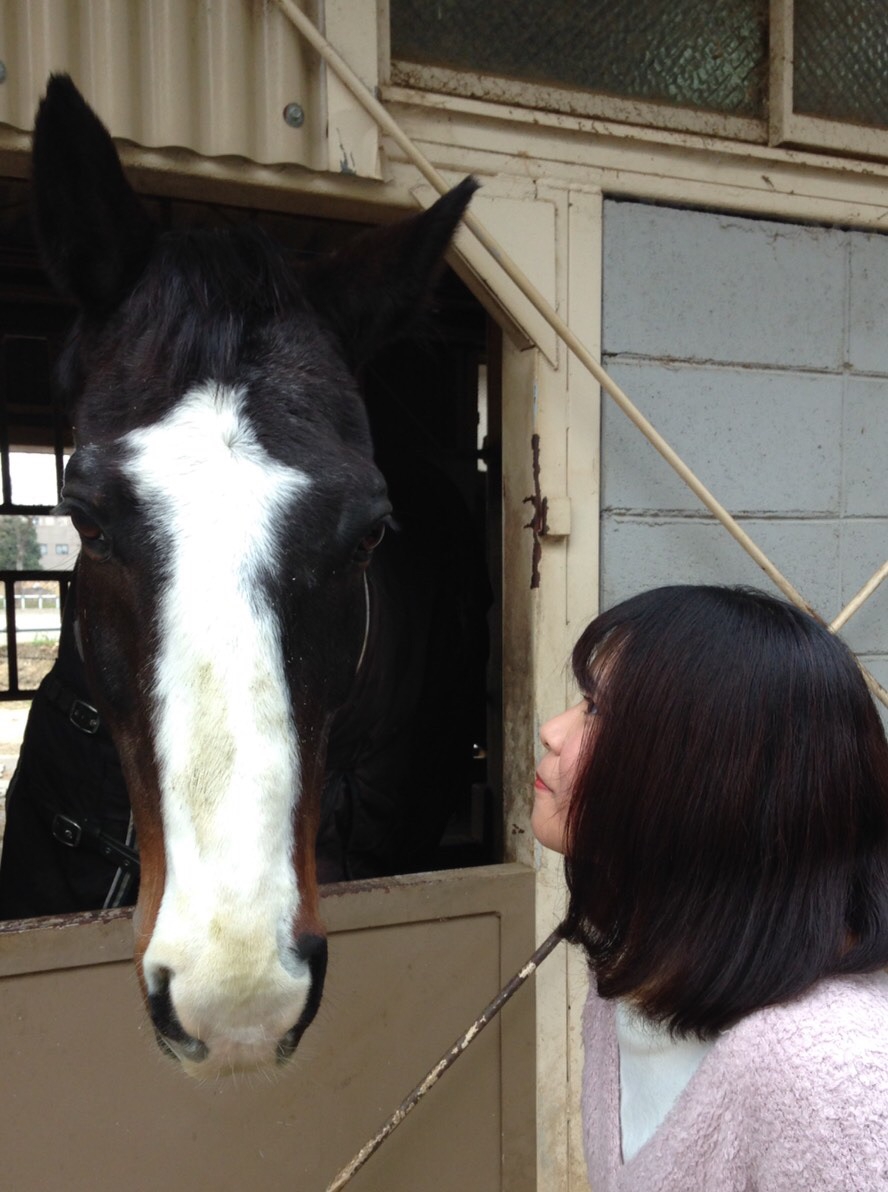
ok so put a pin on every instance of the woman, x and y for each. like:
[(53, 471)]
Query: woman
[(721, 795)]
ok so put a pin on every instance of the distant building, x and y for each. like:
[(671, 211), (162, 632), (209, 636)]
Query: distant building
[(58, 542)]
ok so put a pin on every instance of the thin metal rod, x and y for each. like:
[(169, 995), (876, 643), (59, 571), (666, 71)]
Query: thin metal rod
[(864, 594), (447, 1060), (392, 129)]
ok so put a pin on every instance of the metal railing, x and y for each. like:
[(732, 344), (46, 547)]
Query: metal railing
[(11, 690)]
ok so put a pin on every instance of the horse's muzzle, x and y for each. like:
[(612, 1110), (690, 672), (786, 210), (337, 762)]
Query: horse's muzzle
[(214, 1058)]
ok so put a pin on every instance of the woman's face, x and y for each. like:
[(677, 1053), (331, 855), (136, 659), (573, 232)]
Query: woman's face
[(563, 738)]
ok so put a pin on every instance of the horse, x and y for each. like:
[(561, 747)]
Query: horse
[(229, 506)]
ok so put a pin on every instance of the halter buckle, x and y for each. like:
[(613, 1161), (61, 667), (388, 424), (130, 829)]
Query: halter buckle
[(66, 830), (84, 716)]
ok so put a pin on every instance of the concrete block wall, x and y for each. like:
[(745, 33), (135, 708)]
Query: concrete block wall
[(760, 351)]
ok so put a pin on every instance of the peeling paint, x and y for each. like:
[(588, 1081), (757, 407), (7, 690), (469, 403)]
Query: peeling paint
[(346, 160), (537, 522)]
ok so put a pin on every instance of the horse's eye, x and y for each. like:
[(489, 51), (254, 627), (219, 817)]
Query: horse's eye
[(92, 537), (369, 543), (85, 526)]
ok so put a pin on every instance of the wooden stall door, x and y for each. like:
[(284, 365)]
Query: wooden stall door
[(90, 1105)]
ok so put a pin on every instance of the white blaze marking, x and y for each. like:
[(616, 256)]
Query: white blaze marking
[(225, 741)]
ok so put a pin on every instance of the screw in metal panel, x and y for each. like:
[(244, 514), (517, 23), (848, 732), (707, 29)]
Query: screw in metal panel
[(294, 115)]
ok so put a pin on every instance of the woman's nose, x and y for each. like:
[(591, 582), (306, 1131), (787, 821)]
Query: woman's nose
[(552, 732)]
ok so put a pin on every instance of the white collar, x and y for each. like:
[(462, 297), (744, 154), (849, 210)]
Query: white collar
[(654, 1070)]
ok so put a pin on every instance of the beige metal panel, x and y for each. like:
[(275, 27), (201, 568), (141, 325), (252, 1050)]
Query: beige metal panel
[(222, 47), (105, 47), (31, 34), (165, 33), (210, 76), (64, 941), (352, 134), (457, 134), (89, 1103)]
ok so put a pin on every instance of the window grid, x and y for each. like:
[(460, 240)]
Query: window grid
[(767, 54)]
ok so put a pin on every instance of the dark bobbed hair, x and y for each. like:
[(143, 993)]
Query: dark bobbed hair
[(727, 842)]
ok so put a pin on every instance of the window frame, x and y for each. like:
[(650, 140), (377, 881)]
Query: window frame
[(567, 101), (789, 128), (783, 127), (17, 432)]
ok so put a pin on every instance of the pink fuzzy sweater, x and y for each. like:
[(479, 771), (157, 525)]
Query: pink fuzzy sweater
[(792, 1099)]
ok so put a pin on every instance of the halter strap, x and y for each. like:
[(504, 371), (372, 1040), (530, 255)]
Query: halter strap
[(366, 624)]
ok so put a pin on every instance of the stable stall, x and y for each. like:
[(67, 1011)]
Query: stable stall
[(714, 235)]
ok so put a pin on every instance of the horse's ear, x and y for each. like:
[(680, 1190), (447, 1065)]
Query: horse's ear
[(94, 235), (372, 290)]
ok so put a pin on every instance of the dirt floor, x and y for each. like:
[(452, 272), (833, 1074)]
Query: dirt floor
[(33, 658)]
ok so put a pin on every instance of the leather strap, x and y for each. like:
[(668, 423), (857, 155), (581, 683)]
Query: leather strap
[(85, 833), (80, 713)]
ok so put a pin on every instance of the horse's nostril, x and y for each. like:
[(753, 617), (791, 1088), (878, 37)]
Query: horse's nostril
[(287, 1045), (311, 949), (167, 1025)]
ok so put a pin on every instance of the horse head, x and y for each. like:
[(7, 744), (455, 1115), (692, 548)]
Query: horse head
[(225, 492)]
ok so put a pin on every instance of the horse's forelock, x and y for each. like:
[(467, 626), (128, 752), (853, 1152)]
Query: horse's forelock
[(206, 300), (239, 268), (209, 304)]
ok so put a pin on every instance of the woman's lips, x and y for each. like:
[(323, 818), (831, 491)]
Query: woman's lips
[(539, 785)]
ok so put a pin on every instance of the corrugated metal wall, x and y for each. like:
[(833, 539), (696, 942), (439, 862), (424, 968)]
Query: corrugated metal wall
[(211, 76)]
